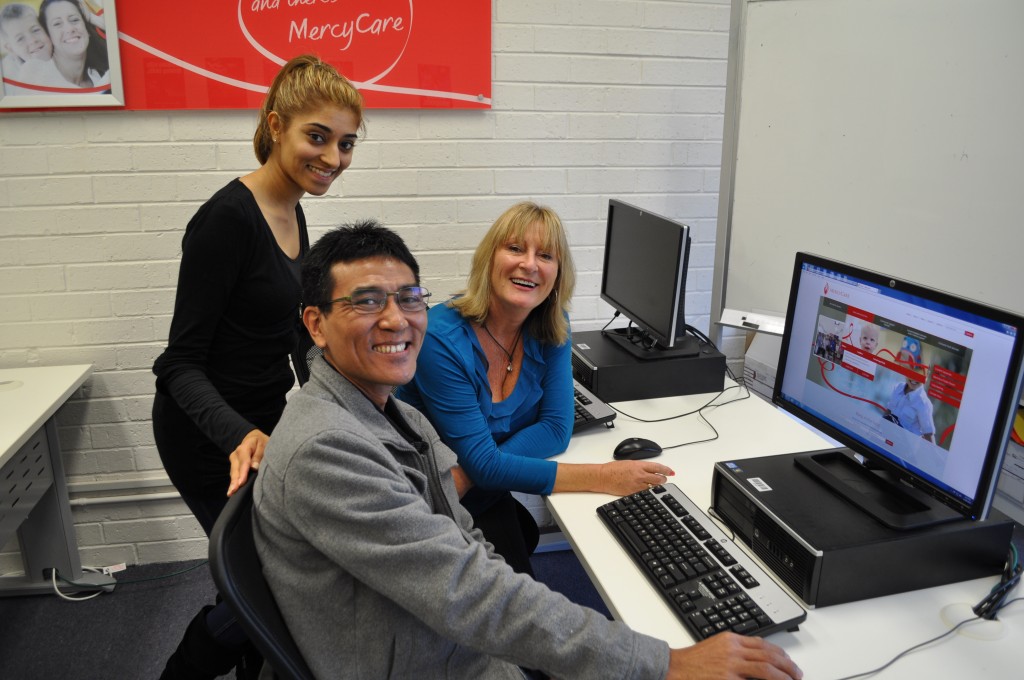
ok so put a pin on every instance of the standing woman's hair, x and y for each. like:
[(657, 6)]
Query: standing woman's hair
[(304, 83), (547, 322)]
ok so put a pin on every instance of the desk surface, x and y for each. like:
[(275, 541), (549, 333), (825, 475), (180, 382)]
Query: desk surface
[(29, 396), (834, 641)]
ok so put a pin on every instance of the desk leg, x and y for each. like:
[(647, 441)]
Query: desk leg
[(47, 535)]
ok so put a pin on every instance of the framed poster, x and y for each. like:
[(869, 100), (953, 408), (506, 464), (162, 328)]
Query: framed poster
[(198, 54), (59, 54)]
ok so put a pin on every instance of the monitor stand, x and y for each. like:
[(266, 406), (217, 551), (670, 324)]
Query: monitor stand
[(876, 492), (688, 346)]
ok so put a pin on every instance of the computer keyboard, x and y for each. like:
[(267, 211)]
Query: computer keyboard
[(590, 410), (709, 583)]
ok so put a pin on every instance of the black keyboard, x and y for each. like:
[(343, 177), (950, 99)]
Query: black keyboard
[(709, 582), (590, 410)]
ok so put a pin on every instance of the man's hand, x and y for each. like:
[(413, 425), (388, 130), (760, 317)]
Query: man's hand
[(246, 455), (728, 656)]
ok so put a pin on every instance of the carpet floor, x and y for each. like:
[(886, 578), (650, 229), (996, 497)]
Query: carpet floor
[(129, 633)]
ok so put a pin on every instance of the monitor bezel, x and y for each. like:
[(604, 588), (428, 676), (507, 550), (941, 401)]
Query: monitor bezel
[(676, 333), (1008, 403)]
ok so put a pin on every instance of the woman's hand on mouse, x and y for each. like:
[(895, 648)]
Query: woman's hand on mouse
[(620, 477), (623, 477)]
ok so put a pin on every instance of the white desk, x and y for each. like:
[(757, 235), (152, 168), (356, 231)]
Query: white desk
[(834, 641), (33, 492)]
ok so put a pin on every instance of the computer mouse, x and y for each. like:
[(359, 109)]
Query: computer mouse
[(636, 448)]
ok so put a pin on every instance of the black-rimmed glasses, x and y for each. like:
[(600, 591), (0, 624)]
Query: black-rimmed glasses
[(374, 300)]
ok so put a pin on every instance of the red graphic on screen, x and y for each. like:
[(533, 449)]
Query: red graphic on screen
[(850, 357)]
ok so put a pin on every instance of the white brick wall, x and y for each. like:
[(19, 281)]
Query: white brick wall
[(592, 99)]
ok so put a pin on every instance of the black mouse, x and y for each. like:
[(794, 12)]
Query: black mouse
[(636, 448)]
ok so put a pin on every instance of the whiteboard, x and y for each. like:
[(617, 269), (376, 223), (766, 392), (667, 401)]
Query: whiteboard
[(884, 133)]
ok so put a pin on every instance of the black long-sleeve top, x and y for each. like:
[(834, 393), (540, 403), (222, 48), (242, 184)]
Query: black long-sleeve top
[(225, 371)]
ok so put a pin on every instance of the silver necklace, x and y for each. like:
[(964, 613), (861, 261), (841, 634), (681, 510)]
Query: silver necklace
[(508, 353)]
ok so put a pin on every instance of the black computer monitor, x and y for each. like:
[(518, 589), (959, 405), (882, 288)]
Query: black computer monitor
[(645, 261), (919, 386)]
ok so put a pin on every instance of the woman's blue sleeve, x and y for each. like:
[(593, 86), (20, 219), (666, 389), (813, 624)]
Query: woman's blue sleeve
[(550, 434), (453, 403)]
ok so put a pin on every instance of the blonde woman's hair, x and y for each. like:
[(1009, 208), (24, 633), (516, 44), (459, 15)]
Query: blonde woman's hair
[(548, 322), (304, 83)]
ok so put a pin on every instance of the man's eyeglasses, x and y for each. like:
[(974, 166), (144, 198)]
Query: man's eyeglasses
[(374, 300)]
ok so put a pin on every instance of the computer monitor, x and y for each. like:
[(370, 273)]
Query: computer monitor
[(645, 261), (919, 386)]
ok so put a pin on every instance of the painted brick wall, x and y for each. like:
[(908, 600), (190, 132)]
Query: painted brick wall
[(592, 99)]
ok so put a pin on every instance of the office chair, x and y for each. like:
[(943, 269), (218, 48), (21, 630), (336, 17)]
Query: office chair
[(303, 356), (238, 573)]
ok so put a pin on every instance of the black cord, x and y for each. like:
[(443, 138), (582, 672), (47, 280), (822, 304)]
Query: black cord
[(905, 652), (994, 602), (640, 337), (923, 644), (699, 411), (614, 316), (722, 524), (700, 336), (643, 339), (139, 580), (740, 384)]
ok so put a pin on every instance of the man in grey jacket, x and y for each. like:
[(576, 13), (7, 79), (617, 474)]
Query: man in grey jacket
[(374, 563)]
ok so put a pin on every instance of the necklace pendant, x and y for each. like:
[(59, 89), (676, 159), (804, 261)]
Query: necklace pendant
[(509, 368)]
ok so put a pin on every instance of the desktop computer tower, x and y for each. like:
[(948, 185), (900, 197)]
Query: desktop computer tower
[(828, 551), (614, 374)]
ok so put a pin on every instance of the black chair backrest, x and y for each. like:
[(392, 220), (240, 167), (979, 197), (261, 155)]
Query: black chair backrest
[(238, 573), (303, 355)]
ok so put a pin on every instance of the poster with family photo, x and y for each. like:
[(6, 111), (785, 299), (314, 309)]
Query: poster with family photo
[(59, 54)]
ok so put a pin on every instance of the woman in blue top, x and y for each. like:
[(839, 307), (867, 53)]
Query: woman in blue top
[(494, 376)]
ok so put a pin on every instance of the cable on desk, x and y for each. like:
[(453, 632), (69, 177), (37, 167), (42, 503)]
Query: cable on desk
[(919, 646), (740, 385), (905, 652), (987, 609), (699, 411)]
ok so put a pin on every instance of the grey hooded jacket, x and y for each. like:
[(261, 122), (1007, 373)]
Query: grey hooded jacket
[(379, 572)]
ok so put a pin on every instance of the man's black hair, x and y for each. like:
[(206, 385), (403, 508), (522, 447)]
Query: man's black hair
[(348, 243)]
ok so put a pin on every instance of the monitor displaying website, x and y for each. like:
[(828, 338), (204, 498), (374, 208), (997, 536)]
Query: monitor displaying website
[(915, 379)]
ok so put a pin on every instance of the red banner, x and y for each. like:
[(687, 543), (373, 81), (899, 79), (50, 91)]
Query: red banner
[(193, 54)]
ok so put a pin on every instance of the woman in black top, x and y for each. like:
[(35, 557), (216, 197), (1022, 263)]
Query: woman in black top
[(222, 380)]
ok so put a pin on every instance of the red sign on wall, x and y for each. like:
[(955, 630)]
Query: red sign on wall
[(223, 54)]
